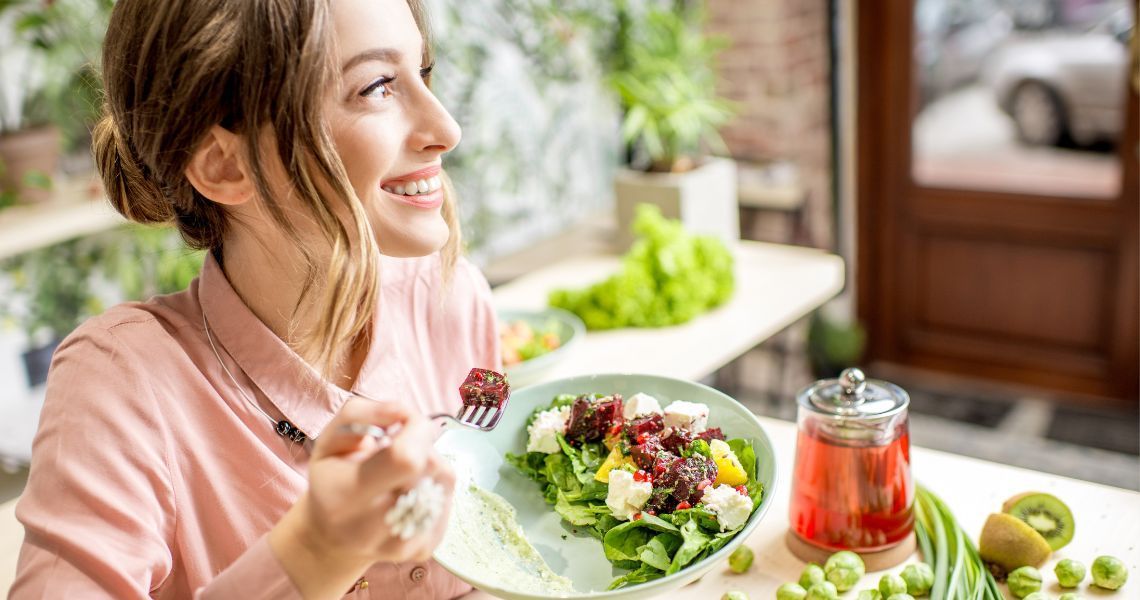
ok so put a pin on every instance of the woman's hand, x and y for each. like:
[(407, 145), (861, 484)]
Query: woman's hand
[(337, 529)]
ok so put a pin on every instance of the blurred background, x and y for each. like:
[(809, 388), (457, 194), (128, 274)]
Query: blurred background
[(973, 161)]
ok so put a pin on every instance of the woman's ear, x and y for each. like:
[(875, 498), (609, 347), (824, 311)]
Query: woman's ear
[(218, 169)]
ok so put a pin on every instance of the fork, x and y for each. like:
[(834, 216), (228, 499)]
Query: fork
[(472, 415)]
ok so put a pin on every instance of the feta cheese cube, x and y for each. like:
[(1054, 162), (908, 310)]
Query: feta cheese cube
[(639, 405), (687, 415), (626, 496), (545, 428), (730, 506)]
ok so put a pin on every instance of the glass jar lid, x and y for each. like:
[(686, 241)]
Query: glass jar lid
[(853, 396)]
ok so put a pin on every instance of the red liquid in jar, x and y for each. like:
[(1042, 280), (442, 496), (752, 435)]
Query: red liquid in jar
[(850, 495)]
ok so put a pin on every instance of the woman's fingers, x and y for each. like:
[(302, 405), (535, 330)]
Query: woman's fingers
[(402, 463), (337, 437)]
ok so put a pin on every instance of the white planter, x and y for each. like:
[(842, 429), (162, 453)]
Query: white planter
[(703, 199)]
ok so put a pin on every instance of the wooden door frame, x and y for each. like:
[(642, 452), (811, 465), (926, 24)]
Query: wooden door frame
[(884, 35)]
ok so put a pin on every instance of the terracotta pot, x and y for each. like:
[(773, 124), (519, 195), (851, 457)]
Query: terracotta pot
[(29, 150)]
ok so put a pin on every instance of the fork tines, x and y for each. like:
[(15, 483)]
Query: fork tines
[(480, 416)]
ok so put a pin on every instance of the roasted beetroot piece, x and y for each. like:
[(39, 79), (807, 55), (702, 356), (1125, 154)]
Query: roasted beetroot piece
[(647, 425), (690, 474), (713, 433), (661, 499), (678, 440), (682, 480), (484, 387), (591, 418), (645, 453)]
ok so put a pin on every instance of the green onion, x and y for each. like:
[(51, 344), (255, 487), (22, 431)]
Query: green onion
[(959, 573)]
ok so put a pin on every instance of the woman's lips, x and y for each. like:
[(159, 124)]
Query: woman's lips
[(428, 200)]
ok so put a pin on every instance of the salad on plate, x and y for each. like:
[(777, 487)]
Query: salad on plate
[(521, 341), (656, 485)]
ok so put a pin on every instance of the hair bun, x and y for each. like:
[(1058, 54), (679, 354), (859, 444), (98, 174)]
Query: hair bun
[(131, 187)]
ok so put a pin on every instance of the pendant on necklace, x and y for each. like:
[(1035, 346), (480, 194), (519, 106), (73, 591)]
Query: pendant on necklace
[(286, 429)]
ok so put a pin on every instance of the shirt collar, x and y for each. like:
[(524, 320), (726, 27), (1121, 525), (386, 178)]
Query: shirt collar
[(298, 392)]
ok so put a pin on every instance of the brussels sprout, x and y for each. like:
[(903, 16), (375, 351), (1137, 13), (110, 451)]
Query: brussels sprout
[(1109, 573), (870, 595), (734, 595), (1069, 596), (741, 559), (844, 570), (901, 597), (823, 591), (1024, 581), (919, 578), (1070, 573), (890, 585), (812, 575), (791, 591)]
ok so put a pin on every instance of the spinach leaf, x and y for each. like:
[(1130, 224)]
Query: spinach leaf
[(703, 516), (622, 544), (578, 513), (693, 542), (640, 575), (530, 464), (659, 550), (584, 461)]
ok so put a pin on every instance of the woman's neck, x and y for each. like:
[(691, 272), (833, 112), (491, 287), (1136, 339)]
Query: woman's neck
[(269, 276)]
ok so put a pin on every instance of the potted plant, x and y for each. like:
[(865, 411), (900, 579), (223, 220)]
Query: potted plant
[(665, 79), (53, 294), (48, 87), (54, 289)]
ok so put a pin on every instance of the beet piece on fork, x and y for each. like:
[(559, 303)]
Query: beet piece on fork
[(484, 393), (484, 387)]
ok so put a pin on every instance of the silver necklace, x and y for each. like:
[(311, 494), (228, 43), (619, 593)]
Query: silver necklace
[(283, 427)]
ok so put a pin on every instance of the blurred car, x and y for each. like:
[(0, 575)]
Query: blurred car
[(954, 39), (1065, 85)]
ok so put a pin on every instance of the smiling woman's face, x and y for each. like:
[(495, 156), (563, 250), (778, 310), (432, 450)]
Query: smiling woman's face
[(389, 129)]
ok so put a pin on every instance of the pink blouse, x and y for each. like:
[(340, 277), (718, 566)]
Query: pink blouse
[(154, 476)]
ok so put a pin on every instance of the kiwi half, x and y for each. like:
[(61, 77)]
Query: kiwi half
[(1008, 542), (1046, 514)]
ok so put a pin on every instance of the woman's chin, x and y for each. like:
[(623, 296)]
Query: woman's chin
[(413, 242)]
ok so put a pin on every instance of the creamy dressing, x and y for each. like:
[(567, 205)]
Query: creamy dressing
[(484, 537)]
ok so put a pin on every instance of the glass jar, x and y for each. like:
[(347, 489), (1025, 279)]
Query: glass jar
[(852, 487)]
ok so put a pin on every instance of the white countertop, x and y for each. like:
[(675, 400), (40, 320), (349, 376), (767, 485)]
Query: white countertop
[(775, 286), (1107, 522)]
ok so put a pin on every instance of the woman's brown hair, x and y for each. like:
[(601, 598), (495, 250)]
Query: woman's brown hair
[(173, 69)]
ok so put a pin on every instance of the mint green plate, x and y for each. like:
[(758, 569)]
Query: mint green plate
[(569, 328), (578, 556)]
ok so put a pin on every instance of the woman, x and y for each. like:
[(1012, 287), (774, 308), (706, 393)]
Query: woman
[(201, 444)]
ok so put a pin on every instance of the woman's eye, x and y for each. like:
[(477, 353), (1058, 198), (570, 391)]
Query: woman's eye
[(378, 88)]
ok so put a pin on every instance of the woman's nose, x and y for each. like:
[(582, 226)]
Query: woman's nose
[(433, 129)]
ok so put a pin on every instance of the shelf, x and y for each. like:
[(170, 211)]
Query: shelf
[(76, 210)]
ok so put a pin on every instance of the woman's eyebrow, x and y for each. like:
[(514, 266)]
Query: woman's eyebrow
[(390, 55)]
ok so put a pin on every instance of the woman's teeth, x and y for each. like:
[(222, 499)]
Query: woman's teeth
[(415, 188)]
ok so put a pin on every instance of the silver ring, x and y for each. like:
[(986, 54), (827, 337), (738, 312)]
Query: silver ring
[(366, 430), (416, 510)]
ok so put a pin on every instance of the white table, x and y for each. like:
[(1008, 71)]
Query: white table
[(775, 286), (1107, 522)]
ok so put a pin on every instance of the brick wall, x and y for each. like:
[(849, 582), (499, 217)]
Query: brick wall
[(777, 68)]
